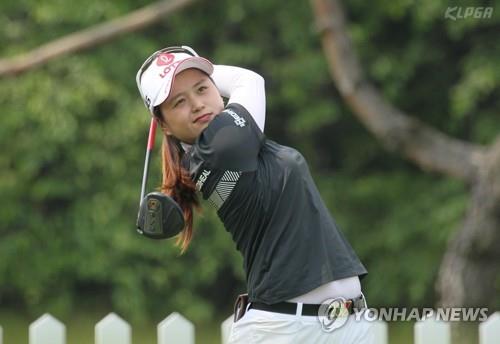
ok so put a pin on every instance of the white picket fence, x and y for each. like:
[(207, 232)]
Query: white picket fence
[(176, 329)]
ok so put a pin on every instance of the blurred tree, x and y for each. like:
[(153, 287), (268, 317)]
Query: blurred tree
[(470, 269)]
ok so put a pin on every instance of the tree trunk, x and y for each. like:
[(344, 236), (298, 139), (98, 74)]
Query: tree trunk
[(470, 271)]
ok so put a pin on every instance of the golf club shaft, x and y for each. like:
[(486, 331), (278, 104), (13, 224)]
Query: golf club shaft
[(151, 143)]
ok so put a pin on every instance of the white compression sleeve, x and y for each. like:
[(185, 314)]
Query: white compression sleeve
[(244, 87)]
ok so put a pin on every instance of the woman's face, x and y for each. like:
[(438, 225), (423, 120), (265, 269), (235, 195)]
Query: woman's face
[(193, 103)]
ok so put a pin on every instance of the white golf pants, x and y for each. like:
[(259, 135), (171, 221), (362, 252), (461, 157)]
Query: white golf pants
[(262, 327)]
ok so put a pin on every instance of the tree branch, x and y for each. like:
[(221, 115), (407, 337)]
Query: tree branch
[(427, 147), (91, 37)]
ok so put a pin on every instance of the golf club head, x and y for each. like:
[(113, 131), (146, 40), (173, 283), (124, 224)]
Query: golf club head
[(159, 217)]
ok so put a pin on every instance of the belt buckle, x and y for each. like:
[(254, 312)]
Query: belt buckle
[(339, 308), (334, 313)]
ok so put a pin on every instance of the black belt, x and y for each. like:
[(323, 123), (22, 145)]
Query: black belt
[(307, 309)]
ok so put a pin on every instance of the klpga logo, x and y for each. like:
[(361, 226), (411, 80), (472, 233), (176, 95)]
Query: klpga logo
[(455, 13)]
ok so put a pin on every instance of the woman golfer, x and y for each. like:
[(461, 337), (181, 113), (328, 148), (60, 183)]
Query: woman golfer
[(303, 277)]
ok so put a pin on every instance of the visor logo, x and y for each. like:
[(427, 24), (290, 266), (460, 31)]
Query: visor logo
[(164, 59)]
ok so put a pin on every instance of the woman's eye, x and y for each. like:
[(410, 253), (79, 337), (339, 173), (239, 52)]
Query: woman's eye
[(202, 88), (178, 102)]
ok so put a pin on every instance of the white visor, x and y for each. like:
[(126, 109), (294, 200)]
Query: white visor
[(156, 81)]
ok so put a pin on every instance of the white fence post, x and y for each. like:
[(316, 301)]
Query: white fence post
[(489, 331), (380, 332), (430, 331), (1, 335), (175, 329), (225, 329), (113, 330), (47, 330)]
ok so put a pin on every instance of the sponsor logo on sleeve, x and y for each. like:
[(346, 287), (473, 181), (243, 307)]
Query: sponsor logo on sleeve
[(238, 120), (202, 179)]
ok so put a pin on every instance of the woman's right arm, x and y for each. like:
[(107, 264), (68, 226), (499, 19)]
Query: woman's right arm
[(244, 87)]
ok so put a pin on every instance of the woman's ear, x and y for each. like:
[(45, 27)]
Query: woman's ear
[(163, 126), (160, 121)]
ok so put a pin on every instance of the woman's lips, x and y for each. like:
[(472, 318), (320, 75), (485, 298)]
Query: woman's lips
[(203, 118)]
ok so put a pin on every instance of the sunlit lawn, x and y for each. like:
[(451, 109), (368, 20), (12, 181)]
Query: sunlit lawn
[(80, 330)]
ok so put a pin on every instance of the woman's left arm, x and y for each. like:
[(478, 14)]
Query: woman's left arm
[(244, 87)]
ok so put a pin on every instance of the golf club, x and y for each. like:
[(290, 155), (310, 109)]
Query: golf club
[(159, 215)]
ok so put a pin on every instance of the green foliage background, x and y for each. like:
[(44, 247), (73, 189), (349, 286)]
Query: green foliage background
[(73, 134)]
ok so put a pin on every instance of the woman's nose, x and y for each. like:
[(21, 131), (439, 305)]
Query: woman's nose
[(197, 105)]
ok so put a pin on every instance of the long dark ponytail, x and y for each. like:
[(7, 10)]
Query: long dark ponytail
[(177, 183)]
